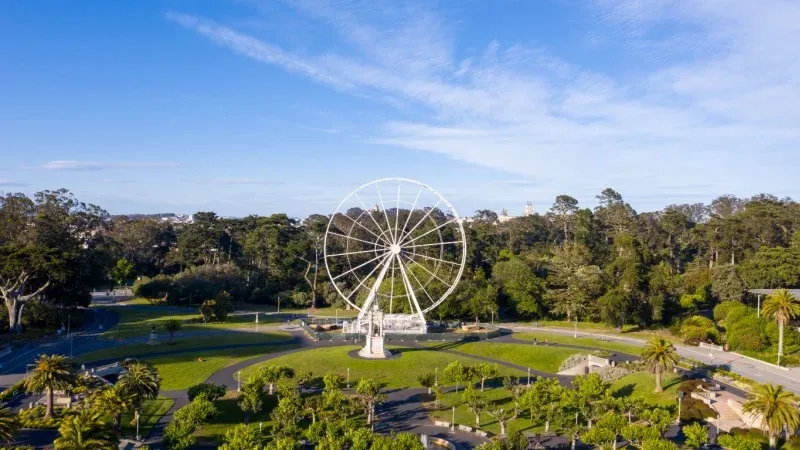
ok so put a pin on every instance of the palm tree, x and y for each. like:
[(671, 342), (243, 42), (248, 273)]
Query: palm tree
[(782, 306), (114, 402), (52, 372), (9, 425), (172, 325), (141, 383), (85, 431), (774, 405), (659, 355)]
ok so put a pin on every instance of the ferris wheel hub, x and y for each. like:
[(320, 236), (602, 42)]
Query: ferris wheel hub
[(395, 249)]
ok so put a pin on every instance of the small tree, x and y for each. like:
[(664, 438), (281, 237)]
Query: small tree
[(696, 435), (171, 326), (474, 403), (485, 371), (9, 425), (207, 310), (427, 379), (241, 437), (121, 272), (782, 306), (456, 372), (502, 417), (272, 373), (369, 392), (223, 305), (209, 391), (85, 430), (141, 382), (775, 406), (251, 399), (512, 386), (113, 402)]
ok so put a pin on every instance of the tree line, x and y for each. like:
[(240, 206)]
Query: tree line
[(604, 262)]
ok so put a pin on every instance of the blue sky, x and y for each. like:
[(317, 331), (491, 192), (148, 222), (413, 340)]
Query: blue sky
[(249, 107)]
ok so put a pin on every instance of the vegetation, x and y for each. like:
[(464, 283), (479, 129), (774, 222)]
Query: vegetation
[(85, 431), (776, 408), (782, 306), (51, 373), (141, 382), (659, 356)]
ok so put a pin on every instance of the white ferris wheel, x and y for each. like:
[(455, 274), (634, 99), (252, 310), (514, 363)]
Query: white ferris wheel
[(396, 246)]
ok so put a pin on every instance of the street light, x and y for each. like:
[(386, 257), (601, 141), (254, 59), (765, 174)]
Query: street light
[(256, 322), (529, 376), (239, 381), (576, 327), (348, 378), (680, 397), (453, 423)]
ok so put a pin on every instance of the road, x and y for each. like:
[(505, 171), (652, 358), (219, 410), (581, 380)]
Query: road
[(747, 367)]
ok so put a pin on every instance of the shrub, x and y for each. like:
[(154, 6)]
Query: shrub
[(731, 442), (18, 388), (209, 391), (699, 327), (691, 408), (691, 302), (739, 312), (196, 413), (613, 373), (722, 309), (34, 417), (747, 333), (792, 444)]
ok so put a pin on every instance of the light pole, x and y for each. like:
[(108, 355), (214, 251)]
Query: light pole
[(436, 377), (337, 316), (348, 378), (576, 327), (239, 381), (758, 309), (256, 322), (453, 423), (680, 397), (529, 376)]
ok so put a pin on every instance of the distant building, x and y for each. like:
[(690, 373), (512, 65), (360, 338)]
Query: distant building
[(504, 217)]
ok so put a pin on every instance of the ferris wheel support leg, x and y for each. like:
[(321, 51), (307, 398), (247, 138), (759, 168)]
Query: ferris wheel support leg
[(373, 293), (410, 291)]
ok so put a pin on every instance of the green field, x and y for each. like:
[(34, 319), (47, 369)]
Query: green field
[(152, 411), (394, 373), (539, 357), (138, 320), (558, 338), (641, 385), (184, 370), (187, 343)]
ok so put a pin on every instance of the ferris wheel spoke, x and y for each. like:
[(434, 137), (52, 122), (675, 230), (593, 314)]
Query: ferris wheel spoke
[(426, 270), (367, 229), (429, 232), (411, 211), (360, 252), (397, 214), (361, 283), (436, 259), (391, 289), (359, 266), (427, 213), (369, 213), (357, 239), (409, 288), (385, 216), (421, 286), (432, 244)]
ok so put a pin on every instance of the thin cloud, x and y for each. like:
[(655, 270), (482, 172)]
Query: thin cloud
[(708, 113), (90, 166), (10, 183), (259, 181)]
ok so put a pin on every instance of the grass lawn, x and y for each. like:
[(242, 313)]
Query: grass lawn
[(138, 320), (539, 357), (229, 414), (394, 373), (581, 341), (152, 411), (642, 384), (184, 370), (187, 343)]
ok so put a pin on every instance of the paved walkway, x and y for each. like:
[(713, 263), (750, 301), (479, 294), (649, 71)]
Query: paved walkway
[(754, 369)]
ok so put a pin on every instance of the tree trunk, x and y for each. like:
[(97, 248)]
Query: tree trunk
[(572, 443), (137, 416), (482, 381), (658, 381), (780, 340), (477, 420), (12, 306), (502, 427), (271, 387), (773, 441), (49, 408), (117, 421)]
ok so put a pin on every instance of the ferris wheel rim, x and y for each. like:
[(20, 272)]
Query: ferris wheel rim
[(455, 219)]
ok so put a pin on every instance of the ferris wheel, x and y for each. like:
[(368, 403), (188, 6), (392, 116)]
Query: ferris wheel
[(395, 245)]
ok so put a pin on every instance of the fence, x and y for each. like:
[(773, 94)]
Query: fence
[(442, 337)]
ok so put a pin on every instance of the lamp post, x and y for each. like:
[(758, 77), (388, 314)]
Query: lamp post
[(436, 377), (680, 397), (758, 309), (239, 381), (453, 423), (575, 334), (256, 322), (348, 378), (529, 376)]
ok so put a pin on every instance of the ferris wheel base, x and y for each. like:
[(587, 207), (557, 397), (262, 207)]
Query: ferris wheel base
[(393, 324), (374, 349)]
